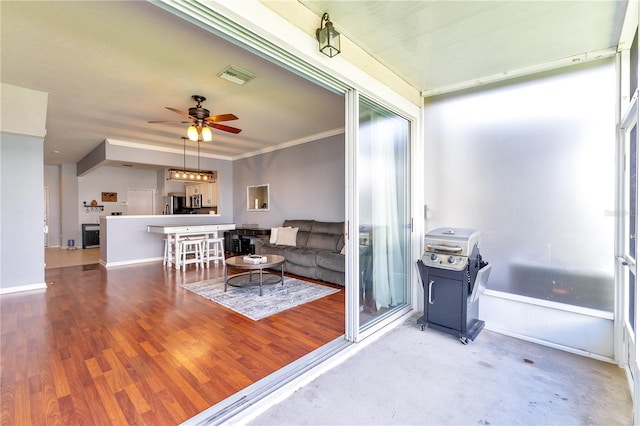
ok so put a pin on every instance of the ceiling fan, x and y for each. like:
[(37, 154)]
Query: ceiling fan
[(201, 121)]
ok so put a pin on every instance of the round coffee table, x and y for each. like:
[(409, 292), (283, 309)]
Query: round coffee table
[(240, 280)]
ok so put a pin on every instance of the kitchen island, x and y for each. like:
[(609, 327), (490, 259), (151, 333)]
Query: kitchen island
[(125, 240)]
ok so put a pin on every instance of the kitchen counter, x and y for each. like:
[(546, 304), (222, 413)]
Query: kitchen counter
[(125, 240)]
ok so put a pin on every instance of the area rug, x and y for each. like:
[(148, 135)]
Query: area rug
[(248, 302)]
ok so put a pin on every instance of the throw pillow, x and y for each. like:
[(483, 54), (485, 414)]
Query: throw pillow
[(274, 236), (287, 236)]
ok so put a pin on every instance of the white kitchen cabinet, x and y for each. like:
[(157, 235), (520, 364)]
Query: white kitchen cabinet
[(209, 192), (189, 189)]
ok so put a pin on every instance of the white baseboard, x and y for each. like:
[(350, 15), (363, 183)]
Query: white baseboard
[(129, 262), (28, 287), (551, 344)]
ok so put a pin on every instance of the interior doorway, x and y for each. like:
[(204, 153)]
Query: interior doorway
[(140, 201)]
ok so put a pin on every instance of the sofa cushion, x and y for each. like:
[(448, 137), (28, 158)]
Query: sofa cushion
[(301, 256), (270, 249), (302, 225), (330, 260), (304, 228), (274, 236), (323, 241), (335, 228), (287, 236)]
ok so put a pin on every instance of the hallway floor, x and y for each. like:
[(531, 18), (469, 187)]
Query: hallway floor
[(56, 257), (413, 377)]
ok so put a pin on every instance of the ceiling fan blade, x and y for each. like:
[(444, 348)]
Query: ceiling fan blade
[(165, 121), (221, 117), (180, 112), (225, 128)]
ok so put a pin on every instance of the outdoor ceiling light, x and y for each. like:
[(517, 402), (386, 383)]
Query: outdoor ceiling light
[(328, 37)]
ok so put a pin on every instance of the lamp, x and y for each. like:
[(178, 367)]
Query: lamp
[(191, 175), (194, 132), (328, 37), (206, 134)]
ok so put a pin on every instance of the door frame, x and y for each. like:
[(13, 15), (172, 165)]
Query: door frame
[(47, 242)]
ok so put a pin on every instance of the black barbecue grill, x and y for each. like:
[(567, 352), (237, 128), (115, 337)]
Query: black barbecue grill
[(453, 277)]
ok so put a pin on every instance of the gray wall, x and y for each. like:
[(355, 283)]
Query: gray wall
[(111, 179), (21, 211), (69, 228), (306, 181), (52, 182)]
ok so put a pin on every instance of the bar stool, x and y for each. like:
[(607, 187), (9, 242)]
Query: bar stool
[(214, 251), (169, 257), (191, 251)]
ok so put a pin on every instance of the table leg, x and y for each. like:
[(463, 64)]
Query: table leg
[(260, 281), (282, 272), (178, 252), (225, 280)]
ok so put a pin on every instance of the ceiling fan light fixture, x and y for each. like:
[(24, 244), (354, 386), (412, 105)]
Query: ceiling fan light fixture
[(206, 134), (328, 38), (192, 133)]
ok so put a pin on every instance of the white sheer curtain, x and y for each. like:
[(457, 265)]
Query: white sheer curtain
[(387, 171)]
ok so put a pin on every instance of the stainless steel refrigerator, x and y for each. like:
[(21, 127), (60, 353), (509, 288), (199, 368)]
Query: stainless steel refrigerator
[(175, 203)]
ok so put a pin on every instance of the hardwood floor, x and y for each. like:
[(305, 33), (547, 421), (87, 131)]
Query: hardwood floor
[(130, 346), (56, 257)]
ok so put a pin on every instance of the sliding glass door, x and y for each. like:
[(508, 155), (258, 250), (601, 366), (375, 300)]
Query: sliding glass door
[(627, 224), (383, 212)]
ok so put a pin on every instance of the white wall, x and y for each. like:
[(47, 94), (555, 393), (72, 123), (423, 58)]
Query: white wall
[(531, 165), (27, 113), (21, 185)]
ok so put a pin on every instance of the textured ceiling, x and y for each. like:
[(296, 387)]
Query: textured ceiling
[(107, 77), (108, 72)]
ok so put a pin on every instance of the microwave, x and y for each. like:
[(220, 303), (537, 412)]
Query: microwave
[(196, 201)]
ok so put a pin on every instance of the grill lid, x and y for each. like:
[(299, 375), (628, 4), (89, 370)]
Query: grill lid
[(453, 241)]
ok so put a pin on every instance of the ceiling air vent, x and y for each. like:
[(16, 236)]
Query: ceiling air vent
[(236, 75)]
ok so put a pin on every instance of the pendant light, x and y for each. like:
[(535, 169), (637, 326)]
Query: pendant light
[(191, 175)]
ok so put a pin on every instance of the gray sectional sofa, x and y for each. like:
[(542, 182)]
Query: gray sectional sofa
[(316, 253)]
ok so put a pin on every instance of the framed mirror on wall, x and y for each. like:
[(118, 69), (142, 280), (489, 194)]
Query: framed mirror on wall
[(258, 197)]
